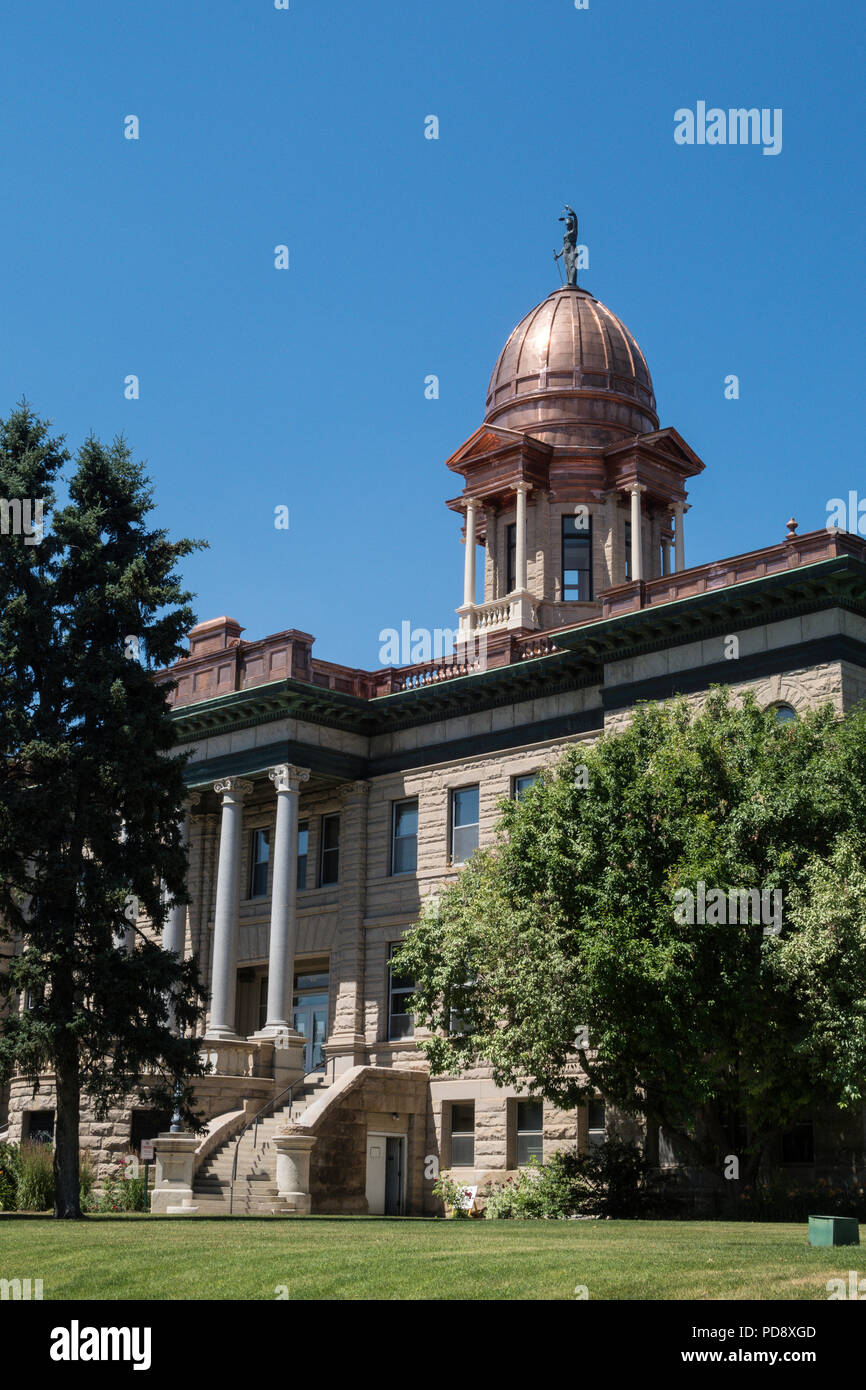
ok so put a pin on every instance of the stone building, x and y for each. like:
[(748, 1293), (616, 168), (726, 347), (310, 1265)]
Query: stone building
[(327, 802)]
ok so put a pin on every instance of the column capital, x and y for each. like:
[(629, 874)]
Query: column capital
[(635, 487), (354, 789), (190, 801), (234, 787), (522, 486), (470, 503), (288, 778), (679, 507)]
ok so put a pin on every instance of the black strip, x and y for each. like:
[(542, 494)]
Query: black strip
[(585, 722), (772, 663)]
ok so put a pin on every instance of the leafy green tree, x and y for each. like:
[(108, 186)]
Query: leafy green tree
[(569, 922), (90, 792)]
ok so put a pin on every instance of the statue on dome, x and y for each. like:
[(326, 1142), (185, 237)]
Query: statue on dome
[(569, 245)]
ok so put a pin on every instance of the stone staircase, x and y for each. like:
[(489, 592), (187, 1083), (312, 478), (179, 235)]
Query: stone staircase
[(256, 1181)]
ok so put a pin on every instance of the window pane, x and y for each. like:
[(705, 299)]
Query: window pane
[(303, 849), (530, 1116), (465, 805), (522, 784), (404, 856), (330, 849), (576, 559), (400, 1023), (463, 1118), (511, 552), (259, 855), (465, 842), (463, 1150), (529, 1146), (406, 818)]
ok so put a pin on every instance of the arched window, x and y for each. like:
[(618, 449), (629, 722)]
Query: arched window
[(784, 713)]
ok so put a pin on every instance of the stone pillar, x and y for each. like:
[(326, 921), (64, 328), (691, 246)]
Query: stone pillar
[(636, 532), (679, 509), (225, 952), (294, 1148), (283, 944), (347, 1042), (204, 839), (520, 539), (174, 927), (175, 1169), (469, 557), (124, 939)]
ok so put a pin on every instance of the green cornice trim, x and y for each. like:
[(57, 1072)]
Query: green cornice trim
[(838, 582)]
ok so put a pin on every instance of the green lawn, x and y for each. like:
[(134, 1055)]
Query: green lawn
[(358, 1258)]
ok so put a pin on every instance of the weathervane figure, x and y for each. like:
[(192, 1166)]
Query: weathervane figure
[(569, 245)]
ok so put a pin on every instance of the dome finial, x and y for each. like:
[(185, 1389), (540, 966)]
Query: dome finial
[(569, 245)]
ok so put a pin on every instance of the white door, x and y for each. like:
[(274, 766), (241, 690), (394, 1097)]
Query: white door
[(377, 1149)]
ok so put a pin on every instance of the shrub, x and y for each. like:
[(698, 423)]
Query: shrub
[(10, 1174), (121, 1191), (611, 1180), (453, 1194), (36, 1181), (86, 1178)]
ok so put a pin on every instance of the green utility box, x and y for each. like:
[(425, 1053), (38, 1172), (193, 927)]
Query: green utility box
[(834, 1230)]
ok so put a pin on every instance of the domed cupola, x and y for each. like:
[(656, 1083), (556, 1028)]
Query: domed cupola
[(570, 486), (572, 373)]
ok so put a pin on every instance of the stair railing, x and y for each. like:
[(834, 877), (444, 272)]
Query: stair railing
[(289, 1091)]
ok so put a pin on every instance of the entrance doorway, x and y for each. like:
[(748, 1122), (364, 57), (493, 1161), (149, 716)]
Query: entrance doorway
[(386, 1166), (310, 1017)]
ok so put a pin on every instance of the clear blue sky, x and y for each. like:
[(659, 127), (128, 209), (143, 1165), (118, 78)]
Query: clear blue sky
[(410, 256)]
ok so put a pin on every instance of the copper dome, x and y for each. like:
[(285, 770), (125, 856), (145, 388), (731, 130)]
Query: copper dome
[(571, 373)]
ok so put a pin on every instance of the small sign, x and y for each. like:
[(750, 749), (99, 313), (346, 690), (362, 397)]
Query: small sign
[(147, 1151)]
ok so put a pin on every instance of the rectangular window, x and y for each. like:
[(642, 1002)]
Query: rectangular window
[(38, 1126), (530, 1131), (798, 1144), (404, 837), (511, 558), (627, 543), (577, 558), (303, 851), (400, 1022), (464, 823), (463, 1135), (259, 855), (596, 1124), (330, 860), (520, 785)]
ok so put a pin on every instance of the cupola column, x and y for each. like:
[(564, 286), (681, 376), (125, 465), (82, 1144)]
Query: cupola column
[(469, 557), (636, 532), (679, 509), (520, 539)]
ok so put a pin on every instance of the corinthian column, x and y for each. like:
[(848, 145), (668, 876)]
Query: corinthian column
[(284, 923), (174, 927), (225, 951)]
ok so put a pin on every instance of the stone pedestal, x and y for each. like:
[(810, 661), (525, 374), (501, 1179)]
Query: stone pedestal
[(175, 1168), (294, 1146)]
